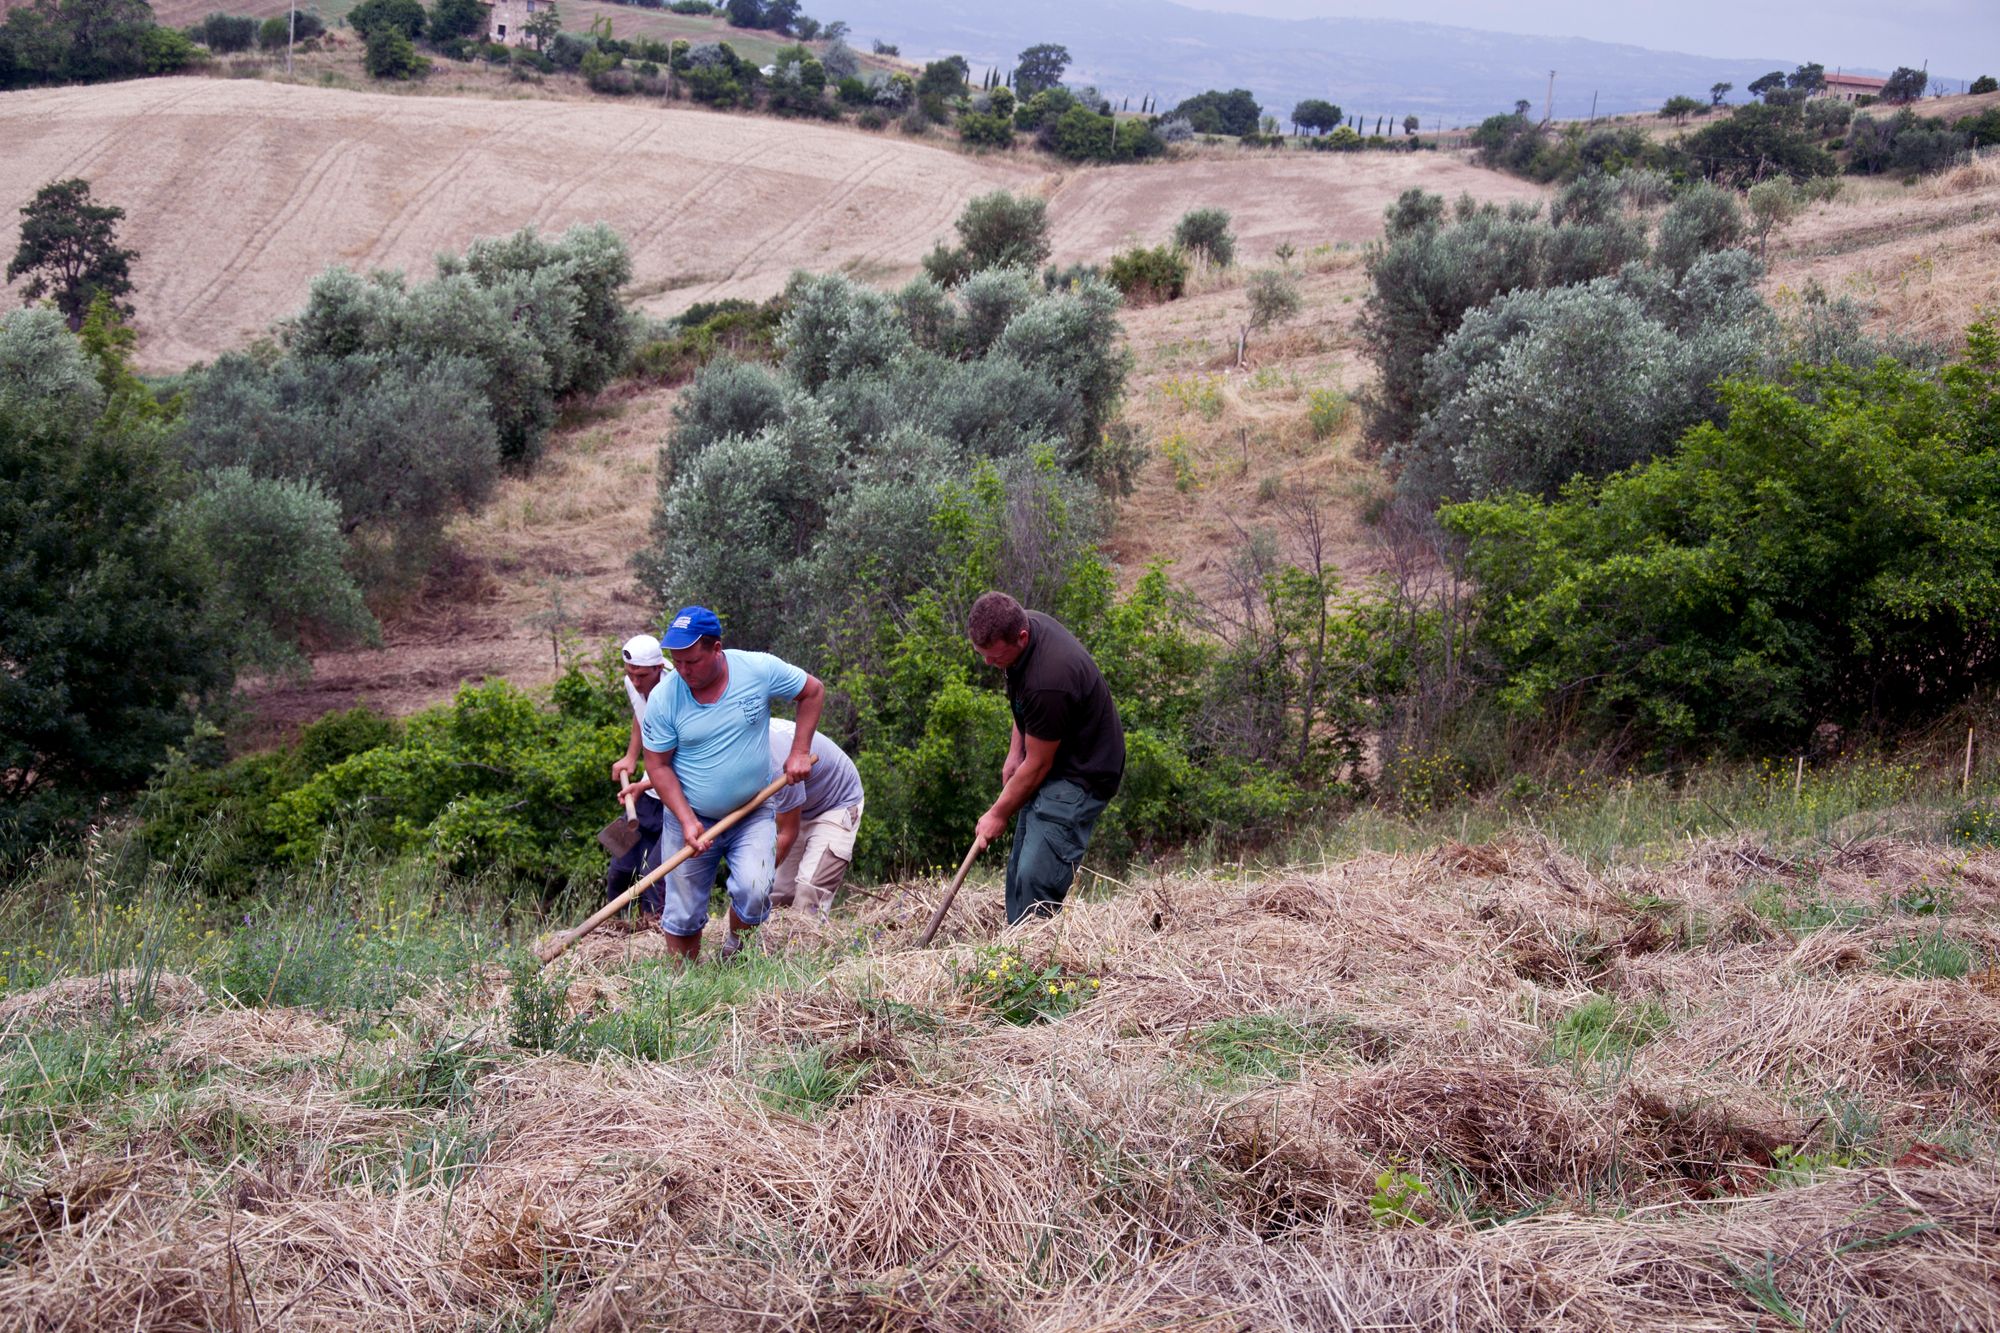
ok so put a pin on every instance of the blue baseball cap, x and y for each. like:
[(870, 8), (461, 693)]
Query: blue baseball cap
[(689, 625)]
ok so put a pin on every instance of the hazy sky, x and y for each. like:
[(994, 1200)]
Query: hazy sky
[(1958, 37)]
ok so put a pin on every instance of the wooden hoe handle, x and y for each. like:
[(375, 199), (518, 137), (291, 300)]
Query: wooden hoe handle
[(556, 947), (937, 917)]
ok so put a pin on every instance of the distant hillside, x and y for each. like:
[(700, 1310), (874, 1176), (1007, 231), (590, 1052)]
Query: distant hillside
[(1369, 66)]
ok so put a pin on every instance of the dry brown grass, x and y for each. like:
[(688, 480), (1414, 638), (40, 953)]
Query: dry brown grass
[(1103, 1170), (1924, 258)]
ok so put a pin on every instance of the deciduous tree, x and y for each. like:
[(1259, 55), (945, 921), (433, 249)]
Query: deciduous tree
[(1040, 66), (69, 250)]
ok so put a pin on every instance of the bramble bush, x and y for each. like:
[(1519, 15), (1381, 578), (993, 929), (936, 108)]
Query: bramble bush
[(1821, 554), (1147, 276)]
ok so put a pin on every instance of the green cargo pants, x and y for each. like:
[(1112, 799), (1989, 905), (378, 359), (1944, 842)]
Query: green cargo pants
[(1051, 834)]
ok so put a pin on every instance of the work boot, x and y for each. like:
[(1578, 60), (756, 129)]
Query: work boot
[(732, 948)]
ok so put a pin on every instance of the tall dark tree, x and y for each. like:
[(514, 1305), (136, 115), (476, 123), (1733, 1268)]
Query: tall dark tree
[(1807, 78), (1905, 85), (455, 18), (406, 16), (1040, 67), (1718, 91), (1316, 115), (1234, 112), (69, 249), (1766, 84), (1679, 108), (88, 580)]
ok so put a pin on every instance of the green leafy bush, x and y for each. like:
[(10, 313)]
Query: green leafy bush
[(1432, 269), (391, 55), (997, 230), (1148, 276), (1204, 233), (493, 781), (1816, 556), (1544, 385), (225, 34)]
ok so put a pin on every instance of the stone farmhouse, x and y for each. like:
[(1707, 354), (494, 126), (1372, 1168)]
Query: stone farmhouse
[(1848, 87), (507, 22)]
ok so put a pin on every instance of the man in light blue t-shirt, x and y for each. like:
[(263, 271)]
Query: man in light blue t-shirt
[(706, 733)]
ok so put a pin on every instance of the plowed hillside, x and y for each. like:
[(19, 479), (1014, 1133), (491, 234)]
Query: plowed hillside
[(238, 191)]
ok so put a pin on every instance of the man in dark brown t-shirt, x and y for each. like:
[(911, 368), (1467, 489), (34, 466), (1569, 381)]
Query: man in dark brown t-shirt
[(1066, 756)]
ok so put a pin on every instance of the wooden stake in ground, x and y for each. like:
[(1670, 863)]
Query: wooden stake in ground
[(937, 917), (1965, 783), (556, 947)]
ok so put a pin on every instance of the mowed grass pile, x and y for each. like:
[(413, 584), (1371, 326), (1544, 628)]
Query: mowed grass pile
[(1743, 1083)]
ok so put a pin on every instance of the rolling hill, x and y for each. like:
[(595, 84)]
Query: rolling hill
[(238, 191)]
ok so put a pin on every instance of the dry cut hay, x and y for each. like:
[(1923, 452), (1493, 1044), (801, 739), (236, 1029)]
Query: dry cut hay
[(103, 995), (1916, 1049), (247, 1039)]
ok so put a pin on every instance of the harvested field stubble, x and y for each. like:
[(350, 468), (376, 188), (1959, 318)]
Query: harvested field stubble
[(1356, 1097)]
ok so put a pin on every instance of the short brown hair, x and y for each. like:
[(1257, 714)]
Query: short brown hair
[(995, 618)]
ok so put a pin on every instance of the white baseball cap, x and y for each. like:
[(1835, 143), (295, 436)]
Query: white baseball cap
[(643, 650)]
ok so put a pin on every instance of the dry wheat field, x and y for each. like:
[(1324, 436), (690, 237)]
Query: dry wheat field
[(1479, 1087), (237, 191)]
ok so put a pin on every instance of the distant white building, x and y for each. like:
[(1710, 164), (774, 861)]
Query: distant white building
[(507, 20)]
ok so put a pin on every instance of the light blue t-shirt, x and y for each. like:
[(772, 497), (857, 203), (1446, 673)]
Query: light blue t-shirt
[(721, 752), (834, 785)]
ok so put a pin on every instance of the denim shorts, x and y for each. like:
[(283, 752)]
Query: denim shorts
[(751, 849)]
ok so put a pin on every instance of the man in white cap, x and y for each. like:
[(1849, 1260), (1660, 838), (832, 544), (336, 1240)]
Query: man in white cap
[(644, 664), (817, 820)]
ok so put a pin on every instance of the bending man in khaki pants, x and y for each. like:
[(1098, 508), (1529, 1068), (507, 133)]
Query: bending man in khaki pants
[(817, 820)]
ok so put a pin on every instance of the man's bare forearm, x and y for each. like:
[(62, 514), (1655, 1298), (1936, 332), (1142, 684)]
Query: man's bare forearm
[(1021, 787), (811, 700)]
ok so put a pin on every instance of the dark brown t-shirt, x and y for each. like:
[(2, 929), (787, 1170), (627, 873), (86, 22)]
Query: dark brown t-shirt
[(1058, 694)]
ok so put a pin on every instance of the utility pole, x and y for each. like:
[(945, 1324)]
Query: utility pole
[(1548, 107), (291, 35), (1593, 106)]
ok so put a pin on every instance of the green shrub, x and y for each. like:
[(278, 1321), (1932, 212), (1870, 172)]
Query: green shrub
[(1327, 411), (1814, 557), (987, 129), (997, 230), (88, 547), (1204, 233), (396, 444), (225, 34), (1544, 385), (1432, 269), (732, 330), (166, 51), (492, 781), (1145, 277), (391, 55), (1755, 140), (372, 16)]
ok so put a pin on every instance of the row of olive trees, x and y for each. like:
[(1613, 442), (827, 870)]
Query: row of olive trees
[(828, 469), (157, 540), (1518, 350)]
